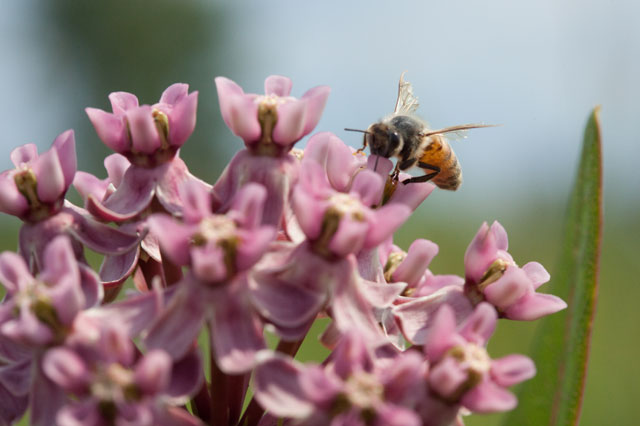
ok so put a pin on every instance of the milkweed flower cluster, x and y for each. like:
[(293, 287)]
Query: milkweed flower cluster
[(284, 236)]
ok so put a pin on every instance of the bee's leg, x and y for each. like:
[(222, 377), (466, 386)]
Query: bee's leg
[(395, 173), (426, 177), (364, 145)]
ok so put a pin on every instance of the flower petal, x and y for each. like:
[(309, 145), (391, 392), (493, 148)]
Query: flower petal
[(239, 112), (186, 376), (67, 369), (420, 254), (153, 372), (536, 273), (14, 273), (116, 166), (277, 387), (11, 200), (174, 237), (132, 196), (87, 184), (46, 398), (178, 326), (170, 182), (479, 327), (236, 335), (368, 186)]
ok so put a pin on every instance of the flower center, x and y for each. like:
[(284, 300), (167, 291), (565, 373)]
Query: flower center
[(493, 274), (162, 125), (364, 390), (344, 204), (393, 261)]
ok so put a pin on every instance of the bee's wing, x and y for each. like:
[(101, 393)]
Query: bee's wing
[(455, 132), (406, 103)]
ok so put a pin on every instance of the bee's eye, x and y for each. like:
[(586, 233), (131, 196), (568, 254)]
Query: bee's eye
[(394, 139)]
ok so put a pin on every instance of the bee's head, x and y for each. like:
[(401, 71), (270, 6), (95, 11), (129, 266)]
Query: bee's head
[(383, 140)]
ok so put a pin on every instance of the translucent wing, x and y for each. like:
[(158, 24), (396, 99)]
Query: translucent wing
[(406, 103), (456, 132)]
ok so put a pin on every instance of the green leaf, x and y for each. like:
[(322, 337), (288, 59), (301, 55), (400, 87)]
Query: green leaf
[(561, 346)]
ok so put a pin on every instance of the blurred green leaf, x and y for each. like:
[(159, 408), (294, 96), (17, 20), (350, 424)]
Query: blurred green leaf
[(561, 346)]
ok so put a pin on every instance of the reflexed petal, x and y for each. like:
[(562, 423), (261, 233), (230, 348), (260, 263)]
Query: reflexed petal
[(277, 387), (24, 154), (385, 221), (142, 127), (12, 407), (420, 254), (368, 186), (308, 211), (16, 377), (132, 196), (536, 273), (512, 369), (174, 93), (11, 200), (49, 176), (65, 144), (381, 295), (153, 372), (87, 184), (14, 273), (122, 101), (479, 327), (416, 317), (487, 397), (91, 286), (186, 377), (290, 124), (277, 85), (178, 326), (46, 398), (67, 369), (236, 335), (115, 269), (403, 380), (284, 303), (182, 120), (111, 129), (100, 237), (316, 99), (170, 182), (175, 416), (534, 306)]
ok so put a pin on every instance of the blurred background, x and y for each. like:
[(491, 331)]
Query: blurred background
[(536, 68)]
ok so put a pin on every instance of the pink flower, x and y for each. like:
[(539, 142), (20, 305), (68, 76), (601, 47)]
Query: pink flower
[(111, 385), (35, 189), (39, 310), (337, 223), (273, 122), (353, 388), (462, 374), (147, 135), (492, 275)]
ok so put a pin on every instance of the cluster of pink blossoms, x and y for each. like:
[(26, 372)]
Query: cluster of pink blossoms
[(283, 237)]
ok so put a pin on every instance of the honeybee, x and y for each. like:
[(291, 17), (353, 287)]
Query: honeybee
[(404, 135)]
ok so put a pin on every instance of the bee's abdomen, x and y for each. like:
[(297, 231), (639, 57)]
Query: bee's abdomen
[(439, 153)]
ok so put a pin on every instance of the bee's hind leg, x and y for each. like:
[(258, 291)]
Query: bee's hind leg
[(425, 178)]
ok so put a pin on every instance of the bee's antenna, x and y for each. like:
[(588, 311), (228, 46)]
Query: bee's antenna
[(357, 130)]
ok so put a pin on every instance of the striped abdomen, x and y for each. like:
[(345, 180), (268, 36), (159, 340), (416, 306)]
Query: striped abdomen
[(439, 153)]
